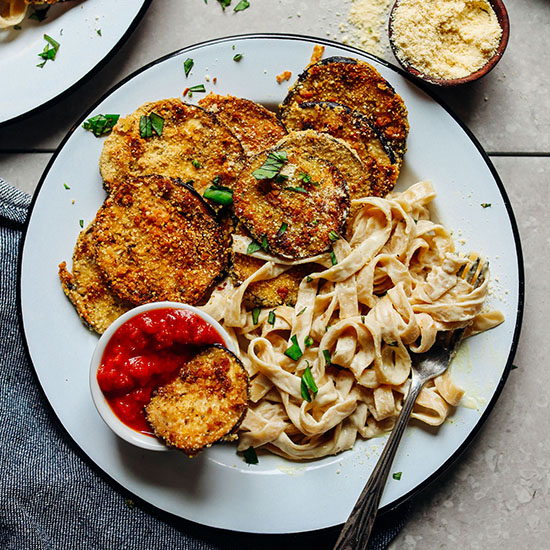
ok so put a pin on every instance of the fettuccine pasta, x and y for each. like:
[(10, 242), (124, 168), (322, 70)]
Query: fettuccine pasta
[(388, 287)]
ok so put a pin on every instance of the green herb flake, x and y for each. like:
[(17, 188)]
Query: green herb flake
[(196, 163), (100, 125), (81, 223), (254, 246), (237, 57), (255, 315), (308, 386), (333, 236), (130, 503), (271, 317), (272, 166), (363, 319), (296, 189), (39, 14), (225, 3), (265, 244), (306, 178), (282, 229), (242, 5), (157, 122), (17, 27), (308, 341), (333, 258), (50, 50), (302, 311), (513, 367), (219, 194), (250, 456), (66, 186), (145, 127), (197, 88), (98, 31), (485, 204), (397, 475), (187, 66), (326, 354), (309, 279), (294, 351)]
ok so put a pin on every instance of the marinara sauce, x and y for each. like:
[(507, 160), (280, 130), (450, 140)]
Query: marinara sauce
[(146, 352)]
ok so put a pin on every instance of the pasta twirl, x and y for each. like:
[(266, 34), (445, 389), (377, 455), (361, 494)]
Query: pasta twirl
[(394, 286)]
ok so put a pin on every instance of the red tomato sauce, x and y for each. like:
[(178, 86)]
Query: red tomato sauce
[(146, 352)]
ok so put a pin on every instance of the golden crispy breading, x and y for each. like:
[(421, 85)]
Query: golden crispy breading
[(193, 146), (256, 127), (280, 290), (87, 289), (294, 213), (359, 86), (354, 128), (206, 403), (337, 152), (156, 239)]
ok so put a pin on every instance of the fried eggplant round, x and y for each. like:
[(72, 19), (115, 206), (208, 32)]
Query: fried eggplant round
[(156, 239), (338, 153), (291, 202), (360, 86), (87, 288), (205, 403), (352, 127), (193, 146), (256, 127)]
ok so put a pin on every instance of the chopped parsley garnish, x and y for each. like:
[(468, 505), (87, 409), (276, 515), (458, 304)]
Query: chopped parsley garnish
[(282, 229), (242, 5), (308, 386), (333, 258), (66, 186), (326, 354), (98, 32), (485, 204), (39, 14), (271, 317), (197, 88), (306, 178), (149, 124), (254, 246), (272, 166), (196, 163), (397, 475), (309, 279), (308, 341), (265, 244), (514, 367), (225, 3), (17, 27), (100, 124), (255, 315), (237, 57), (188, 65), (297, 314), (294, 351), (50, 50), (220, 194), (81, 223), (333, 236), (250, 456), (296, 189)]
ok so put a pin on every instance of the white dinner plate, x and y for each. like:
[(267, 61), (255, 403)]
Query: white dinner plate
[(218, 488), (88, 32)]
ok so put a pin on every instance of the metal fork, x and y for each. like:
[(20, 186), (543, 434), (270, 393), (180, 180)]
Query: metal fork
[(425, 366)]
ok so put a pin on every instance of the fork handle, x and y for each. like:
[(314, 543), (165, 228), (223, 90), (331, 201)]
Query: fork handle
[(357, 529)]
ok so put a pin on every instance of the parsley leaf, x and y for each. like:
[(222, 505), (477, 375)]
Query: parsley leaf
[(188, 65), (100, 125), (272, 166), (242, 5), (308, 387)]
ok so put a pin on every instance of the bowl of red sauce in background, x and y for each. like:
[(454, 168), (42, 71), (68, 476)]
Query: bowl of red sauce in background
[(142, 350)]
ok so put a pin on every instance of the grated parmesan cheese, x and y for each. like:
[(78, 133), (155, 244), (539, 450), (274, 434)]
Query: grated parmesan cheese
[(445, 38)]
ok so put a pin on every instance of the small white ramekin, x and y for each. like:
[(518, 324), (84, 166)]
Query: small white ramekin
[(119, 428)]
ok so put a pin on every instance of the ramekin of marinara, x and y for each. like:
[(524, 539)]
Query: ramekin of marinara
[(142, 350)]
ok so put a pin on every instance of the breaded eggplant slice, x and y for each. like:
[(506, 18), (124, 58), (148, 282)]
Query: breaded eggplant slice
[(87, 288), (359, 86), (280, 290), (256, 127), (354, 128), (205, 403), (337, 152), (294, 213), (156, 239), (193, 146)]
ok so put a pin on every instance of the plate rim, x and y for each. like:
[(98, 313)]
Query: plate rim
[(83, 79), (423, 87)]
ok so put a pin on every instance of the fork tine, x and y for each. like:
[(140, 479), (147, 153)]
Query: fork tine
[(470, 275), (482, 275)]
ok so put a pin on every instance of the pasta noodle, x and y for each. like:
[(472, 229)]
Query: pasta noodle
[(12, 12), (394, 286)]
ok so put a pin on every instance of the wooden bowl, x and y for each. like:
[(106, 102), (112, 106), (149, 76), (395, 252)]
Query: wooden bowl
[(503, 21)]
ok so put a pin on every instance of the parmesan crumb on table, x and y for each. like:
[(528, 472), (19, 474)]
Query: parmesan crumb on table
[(445, 39)]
